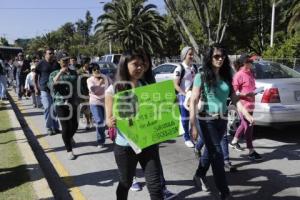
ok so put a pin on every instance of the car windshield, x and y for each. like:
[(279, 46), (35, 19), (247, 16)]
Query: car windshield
[(271, 70), (106, 66)]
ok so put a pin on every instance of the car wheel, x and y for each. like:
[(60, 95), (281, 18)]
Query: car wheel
[(233, 120)]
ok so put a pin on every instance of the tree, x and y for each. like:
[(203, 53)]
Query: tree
[(84, 27), (212, 18), (131, 24), (4, 41)]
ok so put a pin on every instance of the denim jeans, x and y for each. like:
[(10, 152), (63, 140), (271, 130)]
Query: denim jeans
[(20, 83), (224, 146), (3, 86), (98, 115), (49, 111), (127, 160), (212, 134), (184, 118)]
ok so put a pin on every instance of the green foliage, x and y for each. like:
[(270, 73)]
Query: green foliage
[(131, 24), (3, 41), (289, 49)]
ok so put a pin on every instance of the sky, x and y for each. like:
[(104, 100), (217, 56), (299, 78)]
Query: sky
[(31, 18)]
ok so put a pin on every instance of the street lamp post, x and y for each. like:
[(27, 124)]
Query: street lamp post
[(272, 24)]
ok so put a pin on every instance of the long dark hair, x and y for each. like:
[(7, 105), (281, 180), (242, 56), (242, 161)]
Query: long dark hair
[(225, 70), (148, 75), (122, 74)]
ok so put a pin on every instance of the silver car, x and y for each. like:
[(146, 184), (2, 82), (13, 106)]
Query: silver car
[(165, 71), (279, 103)]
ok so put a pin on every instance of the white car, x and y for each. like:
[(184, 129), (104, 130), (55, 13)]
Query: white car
[(165, 71), (279, 103)]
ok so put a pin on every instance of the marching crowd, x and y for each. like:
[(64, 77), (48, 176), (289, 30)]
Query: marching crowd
[(58, 85)]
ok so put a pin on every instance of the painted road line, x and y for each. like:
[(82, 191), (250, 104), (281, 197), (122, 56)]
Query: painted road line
[(59, 167)]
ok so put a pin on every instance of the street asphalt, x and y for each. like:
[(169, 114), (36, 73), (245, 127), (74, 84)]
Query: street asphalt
[(94, 175)]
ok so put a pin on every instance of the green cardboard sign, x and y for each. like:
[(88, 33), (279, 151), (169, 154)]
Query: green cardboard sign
[(147, 115)]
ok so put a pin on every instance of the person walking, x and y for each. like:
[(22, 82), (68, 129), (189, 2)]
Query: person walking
[(41, 78), (22, 69), (216, 79), (63, 84), (97, 84), (29, 88), (150, 79), (83, 75), (244, 86), (129, 74), (3, 80), (183, 80)]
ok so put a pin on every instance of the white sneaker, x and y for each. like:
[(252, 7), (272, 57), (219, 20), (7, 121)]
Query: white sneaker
[(71, 156), (189, 144)]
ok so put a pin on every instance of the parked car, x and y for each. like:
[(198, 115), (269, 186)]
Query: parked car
[(107, 68), (166, 71), (279, 103), (113, 58)]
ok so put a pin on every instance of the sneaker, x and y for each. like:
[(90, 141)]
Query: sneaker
[(100, 146), (168, 195), (50, 132), (236, 146), (136, 186), (88, 127), (71, 156), (254, 156), (201, 183), (230, 167), (189, 144)]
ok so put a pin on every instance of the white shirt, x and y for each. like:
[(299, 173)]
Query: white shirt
[(29, 81), (188, 78)]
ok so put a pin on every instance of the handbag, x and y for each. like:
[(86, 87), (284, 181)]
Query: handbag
[(202, 99)]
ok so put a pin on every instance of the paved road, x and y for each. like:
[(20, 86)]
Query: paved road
[(93, 175)]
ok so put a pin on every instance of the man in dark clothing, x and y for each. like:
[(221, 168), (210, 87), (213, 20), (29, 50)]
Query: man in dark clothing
[(41, 78), (22, 69)]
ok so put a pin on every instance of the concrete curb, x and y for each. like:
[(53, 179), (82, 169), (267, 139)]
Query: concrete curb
[(39, 182)]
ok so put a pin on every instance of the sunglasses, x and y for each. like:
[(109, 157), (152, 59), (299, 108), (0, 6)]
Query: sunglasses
[(218, 57)]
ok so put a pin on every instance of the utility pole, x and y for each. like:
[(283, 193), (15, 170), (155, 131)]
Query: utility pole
[(272, 24)]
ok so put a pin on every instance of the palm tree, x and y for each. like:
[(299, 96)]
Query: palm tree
[(131, 23), (294, 21)]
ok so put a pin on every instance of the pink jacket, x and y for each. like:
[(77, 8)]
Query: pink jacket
[(244, 82)]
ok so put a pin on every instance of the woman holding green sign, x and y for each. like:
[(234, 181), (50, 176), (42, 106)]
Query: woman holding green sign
[(130, 71), (217, 78)]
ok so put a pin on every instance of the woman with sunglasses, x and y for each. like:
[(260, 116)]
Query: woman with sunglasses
[(217, 88), (62, 84), (97, 84)]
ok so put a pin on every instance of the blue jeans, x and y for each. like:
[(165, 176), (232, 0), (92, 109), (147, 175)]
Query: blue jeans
[(20, 83), (98, 115), (224, 146), (51, 122), (3, 86), (212, 134), (184, 118)]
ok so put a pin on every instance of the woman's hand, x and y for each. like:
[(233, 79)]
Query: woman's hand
[(194, 132), (111, 122)]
